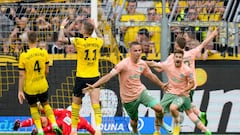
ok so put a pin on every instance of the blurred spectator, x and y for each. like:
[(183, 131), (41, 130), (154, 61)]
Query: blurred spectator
[(211, 11), (15, 48), (129, 33), (154, 31), (43, 45), (72, 13), (55, 22), (152, 15), (70, 49), (131, 13), (43, 27), (179, 13), (143, 37), (6, 24), (20, 28), (18, 34), (86, 11), (74, 28), (57, 47), (192, 43), (158, 6), (192, 16), (175, 31)]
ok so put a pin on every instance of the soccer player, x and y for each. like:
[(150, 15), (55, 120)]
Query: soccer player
[(181, 82), (33, 85), (63, 118), (189, 59), (88, 53), (132, 90)]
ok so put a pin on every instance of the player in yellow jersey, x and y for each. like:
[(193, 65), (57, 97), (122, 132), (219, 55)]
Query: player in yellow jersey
[(88, 53), (33, 85)]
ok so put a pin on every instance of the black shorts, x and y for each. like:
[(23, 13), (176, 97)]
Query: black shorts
[(81, 83), (32, 99)]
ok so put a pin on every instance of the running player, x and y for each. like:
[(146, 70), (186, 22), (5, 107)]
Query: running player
[(132, 90), (181, 82)]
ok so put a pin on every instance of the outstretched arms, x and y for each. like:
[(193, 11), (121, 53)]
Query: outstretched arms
[(101, 81)]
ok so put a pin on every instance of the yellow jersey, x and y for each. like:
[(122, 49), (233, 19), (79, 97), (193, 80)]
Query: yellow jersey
[(158, 6), (156, 36), (131, 32), (138, 17), (34, 61), (88, 54)]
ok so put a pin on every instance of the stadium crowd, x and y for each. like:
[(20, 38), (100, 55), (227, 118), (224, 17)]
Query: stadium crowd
[(45, 19)]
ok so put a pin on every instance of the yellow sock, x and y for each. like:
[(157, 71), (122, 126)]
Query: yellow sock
[(36, 117), (75, 114), (97, 114), (49, 113), (176, 129)]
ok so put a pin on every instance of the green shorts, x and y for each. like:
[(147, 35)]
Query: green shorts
[(185, 106), (132, 107), (180, 101)]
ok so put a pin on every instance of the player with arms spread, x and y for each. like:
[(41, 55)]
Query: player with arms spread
[(132, 91)]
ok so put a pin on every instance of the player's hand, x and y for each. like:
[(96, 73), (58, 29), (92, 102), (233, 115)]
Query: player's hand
[(64, 22), (216, 31), (21, 97), (165, 87), (88, 89)]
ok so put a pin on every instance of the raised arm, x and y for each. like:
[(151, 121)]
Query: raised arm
[(61, 36), (209, 39)]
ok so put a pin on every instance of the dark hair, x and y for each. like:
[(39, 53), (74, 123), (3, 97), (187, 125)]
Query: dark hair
[(181, 41), (178, 51), (88, 27), (144, 31), (151, 8), (131, 0), (32, 36), (134, 43)]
